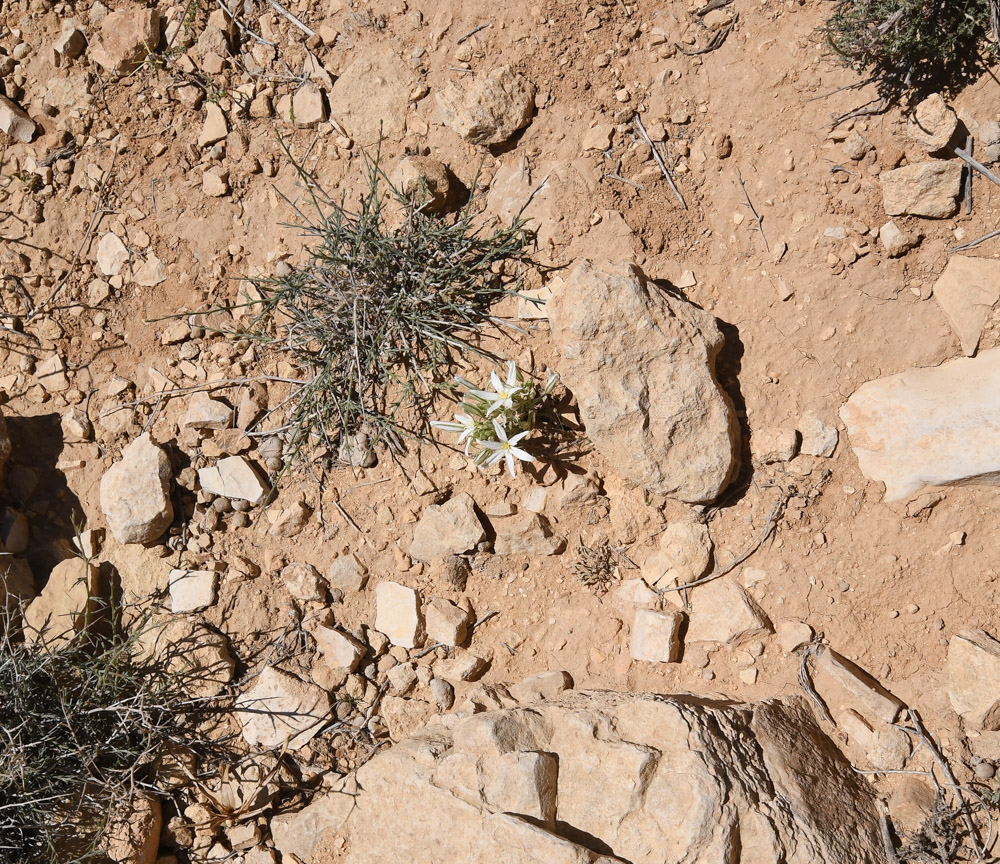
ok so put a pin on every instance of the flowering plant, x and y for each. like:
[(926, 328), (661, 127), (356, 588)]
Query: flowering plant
[(495, 421)]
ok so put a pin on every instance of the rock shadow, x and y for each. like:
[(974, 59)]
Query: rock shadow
[(34, 486)]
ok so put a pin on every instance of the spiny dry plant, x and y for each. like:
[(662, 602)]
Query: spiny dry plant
[(387, 297), (901, 43), (596, 567), (83, 716)]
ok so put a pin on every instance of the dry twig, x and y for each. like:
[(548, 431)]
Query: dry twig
[(637, 120), (753, 210)]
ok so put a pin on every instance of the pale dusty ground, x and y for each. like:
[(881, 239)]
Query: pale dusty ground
[(883, 587)]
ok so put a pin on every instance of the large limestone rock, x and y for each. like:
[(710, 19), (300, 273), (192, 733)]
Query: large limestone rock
[(924, 189), (135, 493), (597, 778), (967, 290), (489, 108), (641, 364), (929, 426)]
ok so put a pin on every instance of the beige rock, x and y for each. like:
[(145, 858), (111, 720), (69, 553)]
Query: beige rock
[(340, 650), (397, 614), (307, 107), (278, 707), (124, 40), (793, 634), (233, 477), (192, 590), (842, 683), (722, 611), (447, 529), (895, 241), (527, 534), (402, 677), (641, 365), (683, 556), (932, 426), (819, 438), (924, 189), (135, 493), (463, 666), (656, 636), (150, 272), (488, 109), (544, 685), (65, 605), (624, 761), (133, 837), (51, 374), (988, 142), (301, 833), (404, 716), (112, 254), (522, 783), (967, 290), (15, 122), (424, 179), (215, 182), (973, 667), (197, 656), (774, 445), (932, 123), (446, 622), (303, 582), (204, 412), (370, 97), (71, 42), (215, 128), (347, 573), (290, 520)]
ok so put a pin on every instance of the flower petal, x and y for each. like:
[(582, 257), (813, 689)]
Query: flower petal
[(501, 434), (509, 456), (523, 455)]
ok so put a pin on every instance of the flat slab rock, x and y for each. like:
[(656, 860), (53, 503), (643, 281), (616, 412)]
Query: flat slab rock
[(929, 426), (643, 779), (641, 363)]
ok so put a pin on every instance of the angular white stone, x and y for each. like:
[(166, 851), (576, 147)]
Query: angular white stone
[(135, 493), (278, 707), (447, 529), (192, 590), (929, 426), (111, 254), (656, 636), (973, 671), (233, 477), (967, 290), (397, 614), (446, 622), (204, 412), (340, 650)]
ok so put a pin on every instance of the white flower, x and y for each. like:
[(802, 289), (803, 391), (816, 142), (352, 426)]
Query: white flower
[(505, 448), (503, 393), (463, 427)]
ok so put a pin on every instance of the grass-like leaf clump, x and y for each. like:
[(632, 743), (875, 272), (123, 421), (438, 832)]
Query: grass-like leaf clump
[(388, 295)]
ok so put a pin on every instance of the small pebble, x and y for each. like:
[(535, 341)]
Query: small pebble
[(985, 771), (239, 520)]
